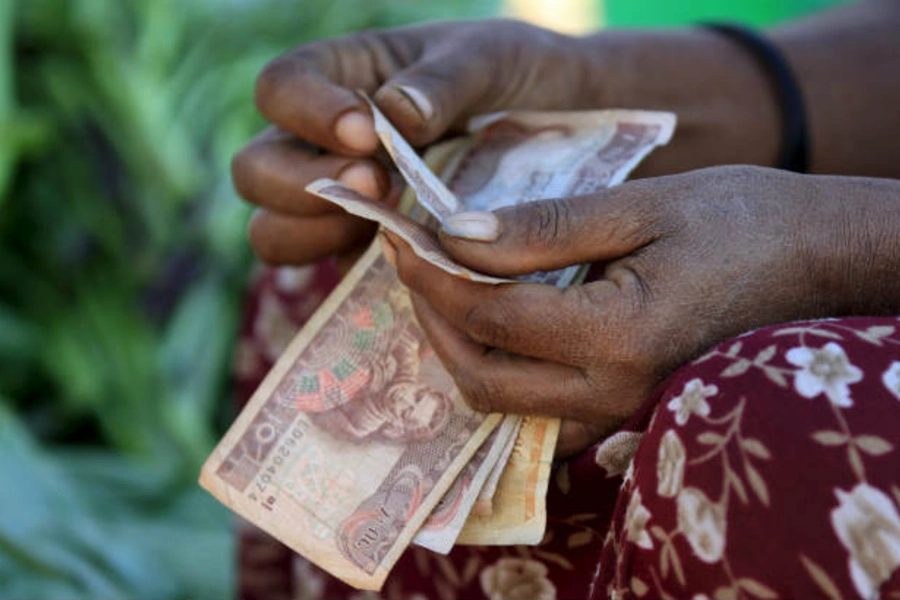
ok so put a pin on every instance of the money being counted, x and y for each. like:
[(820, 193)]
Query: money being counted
[(358, 435), (353, 437)]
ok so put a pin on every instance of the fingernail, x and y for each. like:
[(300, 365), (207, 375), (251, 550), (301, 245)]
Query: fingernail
[(362, 179), (356, 131), (480, 226), (389, 250), (419, 100)]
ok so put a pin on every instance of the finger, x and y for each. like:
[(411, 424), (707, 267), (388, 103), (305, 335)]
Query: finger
[(282, 240), (555, 233), (494, 381), (531, 320), (441, 89), (273, 170), (310, 91)]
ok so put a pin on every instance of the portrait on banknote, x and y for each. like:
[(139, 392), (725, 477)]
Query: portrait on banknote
[(363, 377)]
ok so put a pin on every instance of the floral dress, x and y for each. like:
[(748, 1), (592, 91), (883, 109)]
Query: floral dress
[(767, 468)]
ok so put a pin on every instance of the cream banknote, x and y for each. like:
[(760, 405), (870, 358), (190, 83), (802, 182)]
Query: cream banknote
[(519, 511), (440, 531), (483, 506)]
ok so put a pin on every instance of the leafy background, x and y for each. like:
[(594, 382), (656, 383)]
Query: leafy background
[(122, 262)]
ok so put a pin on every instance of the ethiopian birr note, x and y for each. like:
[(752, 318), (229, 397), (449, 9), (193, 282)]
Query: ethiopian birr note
[(483, 506), (431, 191), (440, 531), (353, 437), (513, 158), (358, 432), (422, 239), (519, 511)]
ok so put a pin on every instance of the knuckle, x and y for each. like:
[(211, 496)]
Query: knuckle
[(273, 77), (548, 223), (262, 241), (491, 323), (482, 393), (245, 173)]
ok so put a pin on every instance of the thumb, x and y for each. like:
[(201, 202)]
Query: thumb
[(428, 98), (551, 234)]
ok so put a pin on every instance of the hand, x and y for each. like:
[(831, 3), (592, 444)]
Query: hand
[(431, 79), (427, 80), (690, 260)]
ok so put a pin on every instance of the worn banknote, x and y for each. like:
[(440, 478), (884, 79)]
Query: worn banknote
[(358, 435), (354, 436)]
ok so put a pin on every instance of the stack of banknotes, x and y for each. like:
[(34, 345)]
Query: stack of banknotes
[(358, 443)]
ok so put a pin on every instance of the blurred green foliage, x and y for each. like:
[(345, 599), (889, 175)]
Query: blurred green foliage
[(122, 264)]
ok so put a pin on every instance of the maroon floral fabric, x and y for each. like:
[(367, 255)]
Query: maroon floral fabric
[(767, 468)]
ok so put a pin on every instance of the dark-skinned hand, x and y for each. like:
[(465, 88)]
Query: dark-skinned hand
[(690, 260), (429, 80)]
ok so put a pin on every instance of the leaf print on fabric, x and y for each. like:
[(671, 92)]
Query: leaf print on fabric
[(825, 370), (670, 465), (703, 524), (692, 400), (636, 518), (517, 579), (868, 525), (891, 379), (876, 334), (615, 452)]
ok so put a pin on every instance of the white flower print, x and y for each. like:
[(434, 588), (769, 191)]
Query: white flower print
[(868, 525), (636, 517), (703, 524), (517, 579), (826, 370), (670, 465), (293, 279), (891, 379), (615, 453), (692, 400)]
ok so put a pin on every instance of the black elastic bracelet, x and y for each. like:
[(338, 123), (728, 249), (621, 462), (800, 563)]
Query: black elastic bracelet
[(794, 131)]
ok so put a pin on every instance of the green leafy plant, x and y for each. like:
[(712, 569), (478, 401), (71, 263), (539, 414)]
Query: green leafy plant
[(122, 267)]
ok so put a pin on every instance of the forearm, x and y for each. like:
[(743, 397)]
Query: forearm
[(848, 65), (849, 245), (845, 60)]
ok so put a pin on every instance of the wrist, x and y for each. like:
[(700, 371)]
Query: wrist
[(727, 111), (850, 242)]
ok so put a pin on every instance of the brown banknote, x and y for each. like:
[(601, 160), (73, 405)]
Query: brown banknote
[(358, 433), (483, 506), (443, 526), (513, 158), (354, 436)]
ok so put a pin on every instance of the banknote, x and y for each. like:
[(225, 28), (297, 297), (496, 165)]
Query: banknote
[(358, 434), (526, 156), (422, 239), (483, 506), (354, 436), (513, 158), (431, 191), (440, 531), (519, 512)]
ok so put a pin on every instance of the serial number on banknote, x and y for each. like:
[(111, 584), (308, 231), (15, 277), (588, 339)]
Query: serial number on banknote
[(259, 490)]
